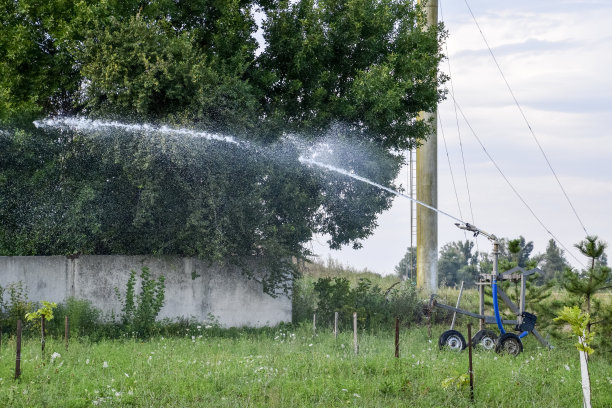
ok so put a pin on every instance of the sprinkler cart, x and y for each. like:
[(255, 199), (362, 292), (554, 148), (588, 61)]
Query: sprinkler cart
[(524, 324)]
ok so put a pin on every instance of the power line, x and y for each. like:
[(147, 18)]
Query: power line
[(509, 183), (467, 184), (451, 173), (525, 119)]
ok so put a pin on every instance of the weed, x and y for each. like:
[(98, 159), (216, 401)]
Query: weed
[(140, 312)]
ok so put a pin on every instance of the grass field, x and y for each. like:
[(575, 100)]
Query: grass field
[(289, 367)]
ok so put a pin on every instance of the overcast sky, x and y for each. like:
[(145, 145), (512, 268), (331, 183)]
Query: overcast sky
[(556, 56)]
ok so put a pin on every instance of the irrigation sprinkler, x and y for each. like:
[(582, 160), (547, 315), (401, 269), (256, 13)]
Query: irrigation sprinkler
[(524, 323), (488, 339)]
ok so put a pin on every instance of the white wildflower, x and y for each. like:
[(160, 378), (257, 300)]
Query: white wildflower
[(344, 390), (310, 345), (87, 361), (127, 375), (356, 395), (567, 367), (54, 356), (105, 365)]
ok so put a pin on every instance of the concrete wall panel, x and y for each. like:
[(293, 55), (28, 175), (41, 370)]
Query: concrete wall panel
[(194, 288)]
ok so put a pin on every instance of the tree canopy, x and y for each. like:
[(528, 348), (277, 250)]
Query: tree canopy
[(354, 73)]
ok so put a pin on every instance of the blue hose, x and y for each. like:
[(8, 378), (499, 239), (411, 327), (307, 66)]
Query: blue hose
[(496, 306)]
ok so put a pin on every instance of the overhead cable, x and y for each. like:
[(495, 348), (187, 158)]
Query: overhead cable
[(467, 184), (509, 183), (526, 121), (451, 172)]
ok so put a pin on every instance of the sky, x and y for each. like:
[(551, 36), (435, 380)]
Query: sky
[(555, 55)]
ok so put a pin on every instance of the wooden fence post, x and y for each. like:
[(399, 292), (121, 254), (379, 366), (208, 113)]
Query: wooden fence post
[(18, 352), (470, 361), (66, 331), (42, 335), (397, 337), (355, 344), (314, 324), (336, 325)]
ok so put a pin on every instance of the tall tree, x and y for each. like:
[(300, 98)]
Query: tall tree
[(354, 73), (406, 268), (361, 62), (458, 263), (588, 282), (553, 263)]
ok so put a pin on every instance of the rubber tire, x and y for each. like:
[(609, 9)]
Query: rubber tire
[(485, 339), (509, 343), (452, 340)]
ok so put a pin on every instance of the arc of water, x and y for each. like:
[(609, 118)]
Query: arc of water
[(380, 186), (91, 125)]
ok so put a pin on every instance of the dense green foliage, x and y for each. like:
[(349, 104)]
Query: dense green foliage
[(374, 306), (14, 305), (458, 263), (347, 72)]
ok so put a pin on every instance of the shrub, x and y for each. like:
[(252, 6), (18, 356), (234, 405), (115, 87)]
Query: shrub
[(84, 318), (304, 300), (14, 305), (139, 312), (404, 303), (375, 307), (333, 295)]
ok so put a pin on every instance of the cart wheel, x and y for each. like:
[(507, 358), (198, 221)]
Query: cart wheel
[(509, 343), (484, 339), (452, 340)]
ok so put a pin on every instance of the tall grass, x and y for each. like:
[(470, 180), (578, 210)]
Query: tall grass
[(290, 367)]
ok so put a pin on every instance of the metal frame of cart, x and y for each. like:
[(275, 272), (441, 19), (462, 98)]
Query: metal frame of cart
[(524, 322)]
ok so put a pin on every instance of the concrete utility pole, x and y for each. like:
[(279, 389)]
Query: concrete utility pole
[(427, 190)]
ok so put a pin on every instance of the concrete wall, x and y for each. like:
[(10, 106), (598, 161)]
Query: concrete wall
[(193, 287)]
